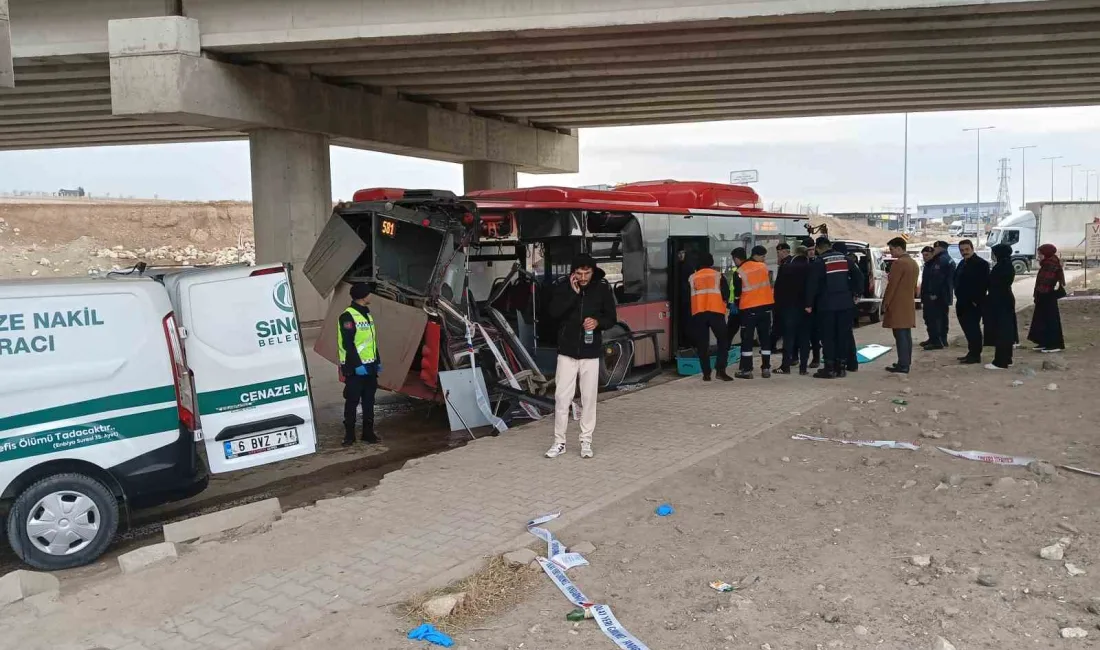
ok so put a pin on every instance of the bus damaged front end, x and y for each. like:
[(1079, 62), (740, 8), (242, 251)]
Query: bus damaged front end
[(411, 247)]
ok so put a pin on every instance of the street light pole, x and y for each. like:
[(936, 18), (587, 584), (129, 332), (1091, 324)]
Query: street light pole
[(1072, 172), (978, 181), (1052, 159), (1089, 173), (1023, 172), (905, 181)]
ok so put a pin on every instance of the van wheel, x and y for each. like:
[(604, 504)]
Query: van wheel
[(63, 521), (876, 313)]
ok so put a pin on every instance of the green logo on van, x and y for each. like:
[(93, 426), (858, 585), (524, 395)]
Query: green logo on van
[(282, 297)]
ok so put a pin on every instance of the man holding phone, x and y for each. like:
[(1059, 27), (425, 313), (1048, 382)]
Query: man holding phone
[(583, 306)]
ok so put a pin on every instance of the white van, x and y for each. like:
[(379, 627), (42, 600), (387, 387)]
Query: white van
[(109, 386)]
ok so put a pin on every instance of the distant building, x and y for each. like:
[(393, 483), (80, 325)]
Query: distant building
[(78, 192), (948, 212), (879, 219)]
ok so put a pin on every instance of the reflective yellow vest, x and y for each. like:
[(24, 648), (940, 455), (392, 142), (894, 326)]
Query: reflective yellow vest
[(365, 342)]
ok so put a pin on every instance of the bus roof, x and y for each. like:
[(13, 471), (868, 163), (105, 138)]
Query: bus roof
[(671, 197)]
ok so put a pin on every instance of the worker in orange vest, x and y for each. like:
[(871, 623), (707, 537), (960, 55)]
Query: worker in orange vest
[(709, 294), (756, 303)]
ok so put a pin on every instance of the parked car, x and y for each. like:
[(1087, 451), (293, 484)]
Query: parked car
[(871, 262)]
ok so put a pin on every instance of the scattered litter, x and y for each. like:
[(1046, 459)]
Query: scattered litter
[(1052, 386), (427, 632), (870, 352), (715, 426), (900, 402), (1073, 570), (664, 510), (1080, 470), (986, 457), (876, 392), (899, 409), (881, 444), (1073, 633), (602, 613), (579, 614), (921, 560), (1016, 383), (721, 586), (624, 387)]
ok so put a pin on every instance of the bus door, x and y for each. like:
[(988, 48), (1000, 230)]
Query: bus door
[(684, 254)]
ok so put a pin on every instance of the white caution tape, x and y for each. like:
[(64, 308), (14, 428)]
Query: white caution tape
[(880, 444), (562, 581), (614, 630), (558, 564), (986, 457), (569, 560)]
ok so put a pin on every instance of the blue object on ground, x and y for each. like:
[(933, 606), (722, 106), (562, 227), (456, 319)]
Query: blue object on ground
[(664, 510), (427, 632)]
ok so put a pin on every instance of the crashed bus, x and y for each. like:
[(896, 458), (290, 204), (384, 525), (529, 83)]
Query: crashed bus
[(466, 280)]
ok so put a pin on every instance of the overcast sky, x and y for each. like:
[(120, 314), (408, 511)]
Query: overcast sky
[(838, 163)]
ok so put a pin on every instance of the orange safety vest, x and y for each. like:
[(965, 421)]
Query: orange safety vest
[(706, 292), (756, 287)]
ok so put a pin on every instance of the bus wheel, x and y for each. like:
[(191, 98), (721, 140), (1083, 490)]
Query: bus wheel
[(62, 521)]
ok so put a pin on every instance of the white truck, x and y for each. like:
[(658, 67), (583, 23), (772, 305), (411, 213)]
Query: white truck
[(963, 229), (1059, 223), (109, 388)]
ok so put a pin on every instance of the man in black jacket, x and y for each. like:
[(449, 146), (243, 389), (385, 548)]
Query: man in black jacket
[(790, 303), (971, 286), (583, 306), (782, 257), (936, 295), (830, 285)]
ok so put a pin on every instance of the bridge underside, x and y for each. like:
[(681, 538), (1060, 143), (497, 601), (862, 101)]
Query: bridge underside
[(1007, 55)]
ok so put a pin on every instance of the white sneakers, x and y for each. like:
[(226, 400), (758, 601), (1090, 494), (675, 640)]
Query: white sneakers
[(556, 450), (1050, 350), (990, 366), (559, 449)]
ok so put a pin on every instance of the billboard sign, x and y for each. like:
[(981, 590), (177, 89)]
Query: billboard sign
[(744, 177)]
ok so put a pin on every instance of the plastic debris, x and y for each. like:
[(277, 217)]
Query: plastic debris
[(664, 510), (899, 402), (881, 444), (986, 457), (579, 614), (427, 632), (721, 586)]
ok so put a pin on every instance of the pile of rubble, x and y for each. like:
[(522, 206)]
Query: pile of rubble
[(244, 253)]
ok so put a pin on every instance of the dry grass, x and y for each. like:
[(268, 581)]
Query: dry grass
[(495, 588)]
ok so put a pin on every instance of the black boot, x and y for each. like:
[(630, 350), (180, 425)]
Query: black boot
[(368, 433), (723, 375), (826, 372), (840, 371), (349, 439)]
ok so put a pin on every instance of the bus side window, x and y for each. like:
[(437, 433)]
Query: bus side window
[(655, 236)]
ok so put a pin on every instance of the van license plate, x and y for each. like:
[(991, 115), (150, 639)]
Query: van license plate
[(261, 443)]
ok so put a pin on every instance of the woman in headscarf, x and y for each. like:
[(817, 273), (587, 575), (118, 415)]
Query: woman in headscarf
[(1000, 315), (1050, 285)]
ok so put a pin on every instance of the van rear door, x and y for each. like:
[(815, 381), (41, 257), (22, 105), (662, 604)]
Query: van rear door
[(240, 335)]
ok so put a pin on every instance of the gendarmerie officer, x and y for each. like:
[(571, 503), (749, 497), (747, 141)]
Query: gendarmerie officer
[(359, 362)]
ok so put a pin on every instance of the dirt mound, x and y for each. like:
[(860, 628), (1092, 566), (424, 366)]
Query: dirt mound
[(60, 238), (852, 229)]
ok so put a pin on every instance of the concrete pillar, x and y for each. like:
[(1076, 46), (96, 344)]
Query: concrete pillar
[(7, 63), (488, 175), (291, 201)]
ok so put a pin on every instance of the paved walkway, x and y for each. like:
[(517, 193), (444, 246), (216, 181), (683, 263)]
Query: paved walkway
[(423, 526)]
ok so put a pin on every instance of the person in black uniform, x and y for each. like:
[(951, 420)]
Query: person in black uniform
[(782, 256), (815, 326), (852, 358), (360, 363), (832, 281)]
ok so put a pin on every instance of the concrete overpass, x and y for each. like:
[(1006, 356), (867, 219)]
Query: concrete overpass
[(502, 85)]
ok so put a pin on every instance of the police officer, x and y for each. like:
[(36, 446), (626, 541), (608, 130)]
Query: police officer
[(359, 363), (832, 281)]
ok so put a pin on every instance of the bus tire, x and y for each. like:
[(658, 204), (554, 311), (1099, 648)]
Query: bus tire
[(32, 524)]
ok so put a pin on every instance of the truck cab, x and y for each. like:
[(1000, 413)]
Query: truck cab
[(1018, 231)]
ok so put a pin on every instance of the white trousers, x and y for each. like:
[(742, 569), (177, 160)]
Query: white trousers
[(569, 371)]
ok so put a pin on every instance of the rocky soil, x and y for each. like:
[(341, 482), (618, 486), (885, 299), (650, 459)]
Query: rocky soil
[(79, 238)]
